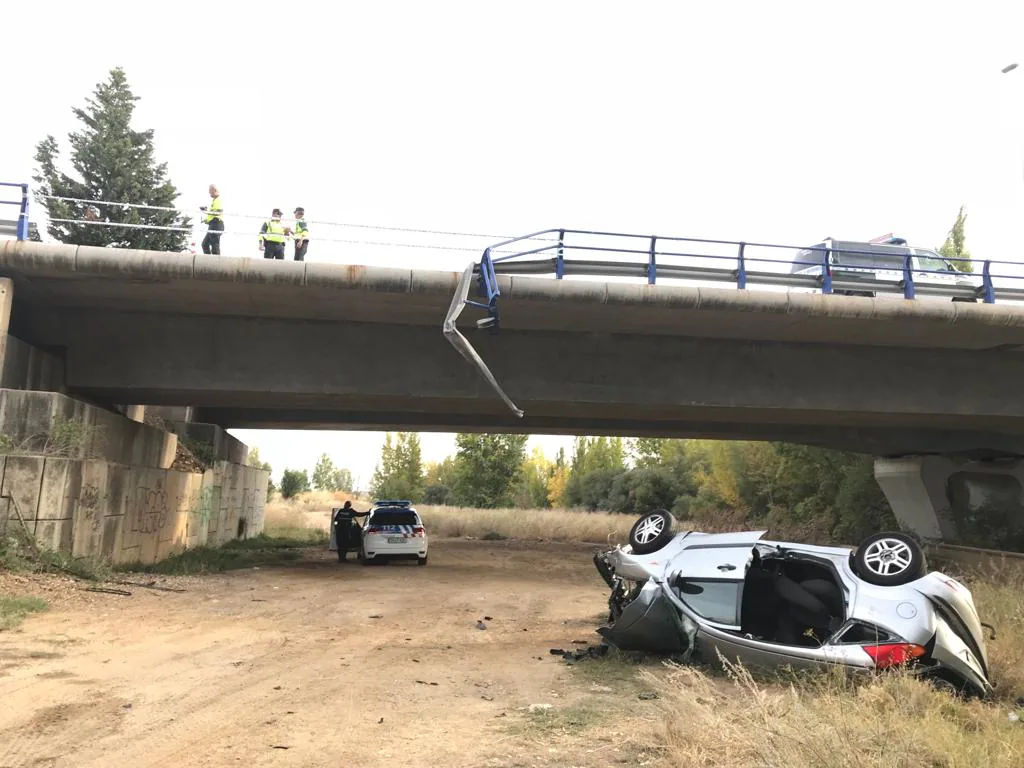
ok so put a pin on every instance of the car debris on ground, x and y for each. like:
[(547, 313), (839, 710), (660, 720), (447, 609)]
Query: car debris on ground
[(579, 654)]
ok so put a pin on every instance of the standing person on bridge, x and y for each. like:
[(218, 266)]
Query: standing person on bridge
[(272, 236), (301, 234), (214, 222)]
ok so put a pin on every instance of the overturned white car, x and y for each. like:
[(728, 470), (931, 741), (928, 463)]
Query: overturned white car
[(775, 603)]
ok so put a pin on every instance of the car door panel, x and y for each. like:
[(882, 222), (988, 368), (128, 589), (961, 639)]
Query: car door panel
[(711, 641)]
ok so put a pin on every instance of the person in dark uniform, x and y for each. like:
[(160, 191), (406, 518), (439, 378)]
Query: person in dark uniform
[(345, 531)]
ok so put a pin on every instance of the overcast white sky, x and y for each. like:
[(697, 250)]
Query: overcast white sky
[(780, 122)]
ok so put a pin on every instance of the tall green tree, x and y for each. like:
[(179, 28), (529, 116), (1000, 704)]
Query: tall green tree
[(954, 247), (343, 480), (647, 451), (294, 482), (399, 475), (325, 474), (596, 462), (254, 460), (112, 162), (487, 468), (439, 481), (535, 474)]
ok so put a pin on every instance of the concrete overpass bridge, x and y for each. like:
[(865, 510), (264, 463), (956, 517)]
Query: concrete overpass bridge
[(254, 343)]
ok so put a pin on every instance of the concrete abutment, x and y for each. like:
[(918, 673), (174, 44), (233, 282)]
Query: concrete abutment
[(942, 498), (91, 482)]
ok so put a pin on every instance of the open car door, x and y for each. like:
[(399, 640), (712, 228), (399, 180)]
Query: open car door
[(707, 576)]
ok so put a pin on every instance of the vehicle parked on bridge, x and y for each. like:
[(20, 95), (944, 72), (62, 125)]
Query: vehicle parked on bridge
[(393, 531), (771, 603), (858, 267)]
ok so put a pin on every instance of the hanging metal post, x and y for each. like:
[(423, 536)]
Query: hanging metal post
[(652, 267), (741, 268), (988, 290), (22, 227), (560, 258), (826, 272), (908, 278)]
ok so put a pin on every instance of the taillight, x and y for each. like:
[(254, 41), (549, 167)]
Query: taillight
[(418, 531), (374, 529), (893, 654)]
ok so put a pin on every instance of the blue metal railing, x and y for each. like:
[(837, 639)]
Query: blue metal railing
[(740, 268), (21, 228)]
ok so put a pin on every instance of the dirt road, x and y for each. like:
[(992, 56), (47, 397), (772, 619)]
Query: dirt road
[(320, 664)]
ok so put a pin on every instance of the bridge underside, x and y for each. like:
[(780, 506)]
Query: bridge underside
[(287, 373), (254, 343)]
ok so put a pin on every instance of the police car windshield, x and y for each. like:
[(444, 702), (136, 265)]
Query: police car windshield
[(394, 517), (931, 261)]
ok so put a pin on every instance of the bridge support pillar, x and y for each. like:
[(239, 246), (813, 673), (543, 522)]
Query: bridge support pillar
[(941, 498)]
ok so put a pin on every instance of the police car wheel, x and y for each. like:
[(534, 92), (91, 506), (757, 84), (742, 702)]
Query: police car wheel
[(421, 561)]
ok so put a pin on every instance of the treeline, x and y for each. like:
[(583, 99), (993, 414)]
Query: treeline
[(807, 492)]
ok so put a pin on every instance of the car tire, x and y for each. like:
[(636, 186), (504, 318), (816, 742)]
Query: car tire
[(421, 561), (652, 531), (889, 559)]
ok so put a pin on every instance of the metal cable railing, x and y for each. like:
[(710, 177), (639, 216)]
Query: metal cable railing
[(821, 268)]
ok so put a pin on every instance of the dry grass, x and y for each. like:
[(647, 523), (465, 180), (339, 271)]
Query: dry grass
[(999, 597), (300, 518), (286, 517), (310, 501), (292, 523), (894, 721), (546, 524)]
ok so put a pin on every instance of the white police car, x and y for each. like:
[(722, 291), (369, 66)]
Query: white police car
[(393, 531)]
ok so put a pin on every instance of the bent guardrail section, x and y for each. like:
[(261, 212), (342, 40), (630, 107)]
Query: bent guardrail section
[(462, 345)]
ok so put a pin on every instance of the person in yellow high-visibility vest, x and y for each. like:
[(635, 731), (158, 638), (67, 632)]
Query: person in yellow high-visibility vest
[(301, 234), (214, 222), (273, 235)]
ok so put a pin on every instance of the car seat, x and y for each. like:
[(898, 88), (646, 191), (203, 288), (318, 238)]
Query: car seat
[(813, 604)]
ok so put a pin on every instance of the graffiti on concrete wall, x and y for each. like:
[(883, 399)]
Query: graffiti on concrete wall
[(200, 505), (88, 503), (200, 509), (151, 509), (90, 499)]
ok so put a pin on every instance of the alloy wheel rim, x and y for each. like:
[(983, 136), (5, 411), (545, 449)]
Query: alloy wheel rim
[(888, 557), (649, 529)]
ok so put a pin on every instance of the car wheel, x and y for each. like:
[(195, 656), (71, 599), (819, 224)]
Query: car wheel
[(652, 531), (421, 561), (889, 560)]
